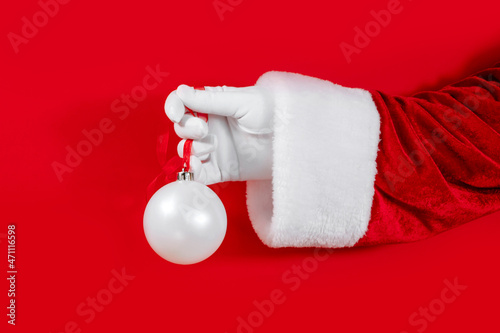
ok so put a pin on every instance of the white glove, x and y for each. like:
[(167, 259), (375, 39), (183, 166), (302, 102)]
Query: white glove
[(236, 143)]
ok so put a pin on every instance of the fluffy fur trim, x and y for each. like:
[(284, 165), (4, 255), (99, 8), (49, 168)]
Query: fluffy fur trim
[(324, 150)]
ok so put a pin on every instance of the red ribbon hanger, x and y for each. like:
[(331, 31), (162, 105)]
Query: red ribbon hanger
[(175, 164)]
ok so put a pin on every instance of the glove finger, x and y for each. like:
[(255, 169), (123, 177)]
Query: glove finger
[(223, 88), (200, 148), (205, 173), (191, 127), (223, 101), (174, 108)]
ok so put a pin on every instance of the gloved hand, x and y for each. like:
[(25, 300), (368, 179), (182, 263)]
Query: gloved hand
[(236, 142)]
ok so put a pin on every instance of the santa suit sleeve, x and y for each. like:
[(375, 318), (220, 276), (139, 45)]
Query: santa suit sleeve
[(356, 167)]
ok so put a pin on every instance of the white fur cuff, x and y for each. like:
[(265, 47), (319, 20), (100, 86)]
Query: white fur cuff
[(324, 150)]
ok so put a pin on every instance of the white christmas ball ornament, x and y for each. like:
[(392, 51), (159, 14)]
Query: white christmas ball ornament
[(185, 221)]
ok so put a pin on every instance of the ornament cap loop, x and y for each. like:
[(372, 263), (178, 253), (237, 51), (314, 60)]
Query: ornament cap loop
[(185, 175)]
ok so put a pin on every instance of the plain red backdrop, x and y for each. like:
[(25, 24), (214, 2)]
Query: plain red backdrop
[(72, 234)]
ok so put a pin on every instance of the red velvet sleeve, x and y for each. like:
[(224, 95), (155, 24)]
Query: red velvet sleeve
[(439, 159)]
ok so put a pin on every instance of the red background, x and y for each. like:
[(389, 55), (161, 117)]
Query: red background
[(72, 234)]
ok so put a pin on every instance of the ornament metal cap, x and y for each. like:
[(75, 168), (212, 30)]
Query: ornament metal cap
[(185, 175)]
